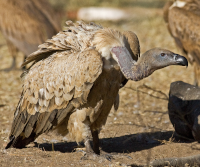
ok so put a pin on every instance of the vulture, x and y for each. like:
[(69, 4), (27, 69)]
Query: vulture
[(25, 24), (183, 22), (184, 114), (184, 109), (75, 78)]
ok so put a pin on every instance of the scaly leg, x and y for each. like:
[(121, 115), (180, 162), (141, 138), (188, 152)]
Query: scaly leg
[(95, 136), (94, 153), (88, 146), (13, 50)]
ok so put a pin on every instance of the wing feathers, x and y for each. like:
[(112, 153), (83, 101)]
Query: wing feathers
[(68, 96), (49, 124), (41, 122), (20, 125), (55, 85), (59, 100), (47, 101), (64, 112), (30, 125), (76, 38)]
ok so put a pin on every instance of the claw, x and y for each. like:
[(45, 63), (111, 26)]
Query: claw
[(108, 157), (93, 156)]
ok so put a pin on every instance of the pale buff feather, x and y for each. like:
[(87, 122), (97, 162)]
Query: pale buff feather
[(77, 129), (58, 92), (106, 38), (48, 95), (59, 100), (68, 96)]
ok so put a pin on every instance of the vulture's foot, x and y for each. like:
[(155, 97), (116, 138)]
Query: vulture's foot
[(96, 157), (94, 153), (116, 156)]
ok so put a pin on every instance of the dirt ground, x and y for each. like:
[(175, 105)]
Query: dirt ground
[(139, 132)]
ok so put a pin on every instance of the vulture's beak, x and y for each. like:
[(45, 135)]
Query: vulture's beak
[(180, 60)]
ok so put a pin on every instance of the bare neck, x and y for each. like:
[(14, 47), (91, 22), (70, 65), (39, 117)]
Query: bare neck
[(140, 71)]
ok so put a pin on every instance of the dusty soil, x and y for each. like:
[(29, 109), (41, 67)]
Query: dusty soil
[(139, 132)]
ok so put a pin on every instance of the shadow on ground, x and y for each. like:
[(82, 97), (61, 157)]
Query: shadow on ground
[(122, 144)]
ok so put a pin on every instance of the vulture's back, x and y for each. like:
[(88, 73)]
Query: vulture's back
[(27, 24), (183, 24)]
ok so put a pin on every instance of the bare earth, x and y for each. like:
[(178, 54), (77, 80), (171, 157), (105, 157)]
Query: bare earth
[(139, 132)]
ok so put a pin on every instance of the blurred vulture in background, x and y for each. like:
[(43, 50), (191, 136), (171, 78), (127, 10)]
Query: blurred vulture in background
[(75, 79), (25, 24), (183, 22)]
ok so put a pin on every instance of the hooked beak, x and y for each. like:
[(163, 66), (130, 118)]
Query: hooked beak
[(180, 60)]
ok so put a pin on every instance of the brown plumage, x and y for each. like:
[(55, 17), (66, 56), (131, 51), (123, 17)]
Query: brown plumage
[(27, 24), (75, 80), (183, 22)]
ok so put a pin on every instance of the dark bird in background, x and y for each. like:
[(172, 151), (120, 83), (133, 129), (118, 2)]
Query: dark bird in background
[(75, 79), (184, 109), (184, 114), (183, 22), (25, 24)]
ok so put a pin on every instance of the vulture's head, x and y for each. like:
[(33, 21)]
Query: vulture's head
[(124, 49), (157, 58), (149, 62)]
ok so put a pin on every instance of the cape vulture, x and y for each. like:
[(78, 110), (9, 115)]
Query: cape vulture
[(75, 78), (184, 111), (25, 24), (183, 18)]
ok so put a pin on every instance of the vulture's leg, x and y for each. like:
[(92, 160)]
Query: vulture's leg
[(12, 67), (93, 154), (83, 132), (13, 50), (116, 103), (88, 147), (95, 136), (89, 154)]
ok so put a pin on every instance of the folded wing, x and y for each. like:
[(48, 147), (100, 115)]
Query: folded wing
[(53, 88)]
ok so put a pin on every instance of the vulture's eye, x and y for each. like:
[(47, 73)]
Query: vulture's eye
[(162, 54)]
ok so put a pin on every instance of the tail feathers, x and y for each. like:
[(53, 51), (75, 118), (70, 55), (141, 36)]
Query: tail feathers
[(20, 141), (12, 138)]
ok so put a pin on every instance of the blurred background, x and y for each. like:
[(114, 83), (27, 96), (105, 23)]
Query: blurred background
[(143, 104)]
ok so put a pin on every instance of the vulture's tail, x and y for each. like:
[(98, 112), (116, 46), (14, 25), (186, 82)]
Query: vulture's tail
[(20, 141)]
